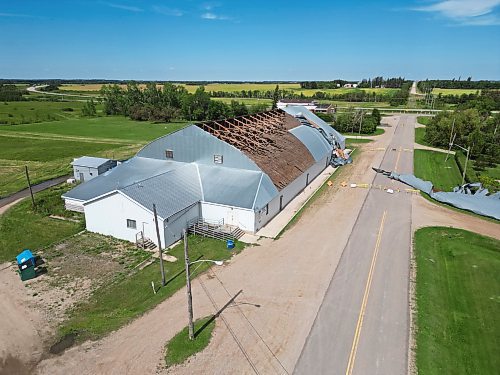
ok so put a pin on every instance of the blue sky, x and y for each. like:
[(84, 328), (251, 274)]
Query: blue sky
[(249, 40)]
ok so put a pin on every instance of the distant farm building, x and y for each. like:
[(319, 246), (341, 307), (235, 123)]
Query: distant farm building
[(88, 167), (311, 105), (237, 172)]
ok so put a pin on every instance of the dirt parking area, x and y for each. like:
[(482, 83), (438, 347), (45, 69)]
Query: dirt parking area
[(32, 310)]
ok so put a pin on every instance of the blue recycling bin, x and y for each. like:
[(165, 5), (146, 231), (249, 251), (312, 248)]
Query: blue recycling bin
[(230, 244), (26, 258)]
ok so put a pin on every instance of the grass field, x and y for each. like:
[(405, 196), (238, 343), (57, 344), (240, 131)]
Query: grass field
[(24, 228), (115, 305), (180, 348), (108, 127), (47, 148), (424, 120), (419, 136), (430, 166), (438, 91), (458, 325), (33, 111)]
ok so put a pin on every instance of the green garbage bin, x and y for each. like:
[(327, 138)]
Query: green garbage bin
[(28, 273)]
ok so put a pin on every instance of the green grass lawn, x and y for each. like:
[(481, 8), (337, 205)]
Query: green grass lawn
[(108, 127), (47, 149), (21, 227), (38, 111), (378, 131), (458, 325), (180, 348), (116, 304), (424, 120), (420, 136), (430, 166)]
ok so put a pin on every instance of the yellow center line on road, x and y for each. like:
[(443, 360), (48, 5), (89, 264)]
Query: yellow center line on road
[(397, 160), (357, 333)]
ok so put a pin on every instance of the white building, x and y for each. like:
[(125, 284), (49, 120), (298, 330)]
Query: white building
[(240, 172), (89, 167), (309, 104)]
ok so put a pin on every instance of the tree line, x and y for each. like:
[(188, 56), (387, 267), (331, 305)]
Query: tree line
[(484, 101), (170, 102), (473, 129), (11, 93), (354, 121), (457, 84), (390, 83)]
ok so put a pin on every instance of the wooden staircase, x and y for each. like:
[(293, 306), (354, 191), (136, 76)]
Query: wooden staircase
[(215, 229)]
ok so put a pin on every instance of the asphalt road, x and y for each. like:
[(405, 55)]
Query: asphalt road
[(362, 326), (36, 188)]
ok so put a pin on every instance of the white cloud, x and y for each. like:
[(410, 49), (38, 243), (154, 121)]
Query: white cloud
[(168, 11), (124, 7), (465, 12), (213, 16)]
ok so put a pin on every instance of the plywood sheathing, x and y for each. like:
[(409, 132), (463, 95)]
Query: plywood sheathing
[(264, 138)]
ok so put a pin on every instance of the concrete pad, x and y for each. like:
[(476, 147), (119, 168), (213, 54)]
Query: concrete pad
[(249, 238), (280, 221)]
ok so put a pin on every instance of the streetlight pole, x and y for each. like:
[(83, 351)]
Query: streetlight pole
[(466, 160)]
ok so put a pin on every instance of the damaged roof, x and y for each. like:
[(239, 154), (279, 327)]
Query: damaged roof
[(265, 139)]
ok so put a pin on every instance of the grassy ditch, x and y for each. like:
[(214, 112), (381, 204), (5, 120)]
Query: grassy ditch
[(118, 303), (431, 166), (180, 348), (23, 227), (458, 326)]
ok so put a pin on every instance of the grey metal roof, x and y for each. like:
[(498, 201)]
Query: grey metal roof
[(194, 145), (89, 161), (317, 145), (134, 170), (171, 191), (233, 187), (299, 111)]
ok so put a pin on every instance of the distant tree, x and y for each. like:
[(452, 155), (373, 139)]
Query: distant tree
[(377, 116), (276, 97), (89, 109)]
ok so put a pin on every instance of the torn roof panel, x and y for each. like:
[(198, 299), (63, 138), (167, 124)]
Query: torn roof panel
[(265, 139)]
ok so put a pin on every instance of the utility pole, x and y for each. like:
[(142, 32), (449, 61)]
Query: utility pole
[(29, 185), (452, 139), (188, 288), (159, 247), (465, 167)]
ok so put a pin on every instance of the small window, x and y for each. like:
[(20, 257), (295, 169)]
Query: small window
[(267, 209), (169, 154), (131, 224), (218, 159)]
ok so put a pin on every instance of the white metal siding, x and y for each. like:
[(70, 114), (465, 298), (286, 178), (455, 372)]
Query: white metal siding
[(240, 217), (175, 224), (109, 216)]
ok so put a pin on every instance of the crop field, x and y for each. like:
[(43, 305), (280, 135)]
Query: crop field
[(458, 325), (32, 111), (437, 91), (236, 87)]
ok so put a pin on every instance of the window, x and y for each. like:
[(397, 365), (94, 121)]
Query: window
[(169, 154), (218, 159), (267, 209), (131, 224)]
